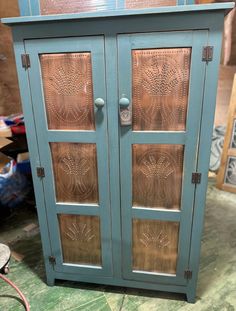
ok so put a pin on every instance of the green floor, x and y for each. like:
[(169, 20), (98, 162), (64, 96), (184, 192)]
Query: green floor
[(217, 278)]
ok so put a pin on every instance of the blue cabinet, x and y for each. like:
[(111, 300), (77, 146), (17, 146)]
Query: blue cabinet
[(119, 109)]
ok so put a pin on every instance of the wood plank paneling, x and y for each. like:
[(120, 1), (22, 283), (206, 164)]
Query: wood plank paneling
[(72, 6), (155, 245), (9, 90), (232, 60), (157, 175), (80, 239), (225, 83), (68, 90), (226, 178), (160, 80), (138, 4), (75, 172)]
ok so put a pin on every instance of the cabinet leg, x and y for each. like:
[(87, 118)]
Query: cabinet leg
[(50, 280), (191, 296)]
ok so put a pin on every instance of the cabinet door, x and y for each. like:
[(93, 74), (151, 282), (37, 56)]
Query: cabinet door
[(67, 80), (161, 77)]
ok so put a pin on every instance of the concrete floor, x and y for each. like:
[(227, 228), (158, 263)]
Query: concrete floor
[(217, 277)]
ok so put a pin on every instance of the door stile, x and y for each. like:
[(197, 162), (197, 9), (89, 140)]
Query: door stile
[(111, 62)]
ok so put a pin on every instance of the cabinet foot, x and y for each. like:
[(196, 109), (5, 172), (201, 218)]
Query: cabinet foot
[(50, 281), (191, 296)]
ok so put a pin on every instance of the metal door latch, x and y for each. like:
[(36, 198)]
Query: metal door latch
[(125, 111)]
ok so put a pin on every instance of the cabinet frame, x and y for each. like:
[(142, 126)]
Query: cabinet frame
[(212, 21)]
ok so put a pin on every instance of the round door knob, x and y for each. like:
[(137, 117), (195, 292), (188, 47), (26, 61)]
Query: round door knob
[(99, 102), (124, 102)]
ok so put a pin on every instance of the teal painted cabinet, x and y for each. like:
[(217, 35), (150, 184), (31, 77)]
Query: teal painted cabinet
[(119, 109)]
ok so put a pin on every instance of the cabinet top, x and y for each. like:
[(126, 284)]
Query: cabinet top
[(120, 12)]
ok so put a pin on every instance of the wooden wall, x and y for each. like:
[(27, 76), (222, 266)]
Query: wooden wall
[(9, 91), (231, 60), (233, 51)]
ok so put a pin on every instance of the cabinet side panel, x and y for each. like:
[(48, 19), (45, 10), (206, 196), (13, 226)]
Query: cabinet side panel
[(34, 155), (209, 101)]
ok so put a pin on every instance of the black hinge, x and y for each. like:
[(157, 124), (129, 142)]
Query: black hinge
[(52, 260), (40, 172), (188, 274), (25, 59), (196, 178), (207, 53)]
